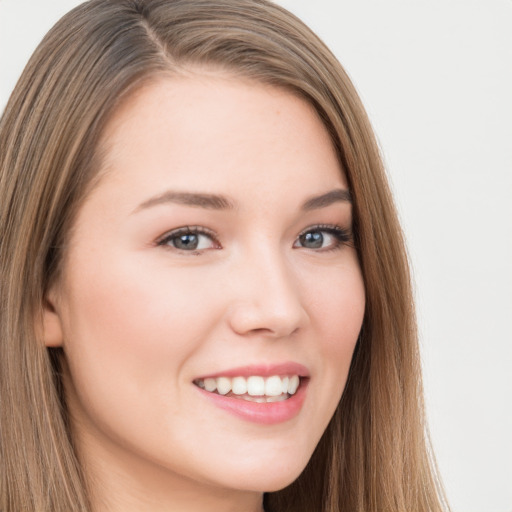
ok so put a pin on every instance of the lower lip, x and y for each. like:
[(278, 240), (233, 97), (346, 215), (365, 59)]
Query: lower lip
[(268, 413)]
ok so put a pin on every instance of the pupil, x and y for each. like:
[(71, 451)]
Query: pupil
[(312, 240), (186, 242)]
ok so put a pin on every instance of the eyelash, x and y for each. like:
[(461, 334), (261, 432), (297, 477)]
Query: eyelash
[(342, 237), (187, 230)]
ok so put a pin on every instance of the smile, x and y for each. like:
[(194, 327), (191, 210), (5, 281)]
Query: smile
[(254, 388), (259, 393)]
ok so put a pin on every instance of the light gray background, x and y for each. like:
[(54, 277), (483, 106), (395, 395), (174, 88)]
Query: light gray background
[(436, 78)]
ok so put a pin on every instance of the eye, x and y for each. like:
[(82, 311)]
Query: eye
[(323, 237), (189, 239)]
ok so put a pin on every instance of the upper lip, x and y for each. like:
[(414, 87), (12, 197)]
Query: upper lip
[(262, 370)]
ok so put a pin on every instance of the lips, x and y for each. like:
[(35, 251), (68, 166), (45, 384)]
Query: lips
[(261, 394)]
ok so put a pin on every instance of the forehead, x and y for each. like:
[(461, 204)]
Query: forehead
[(219, 132)]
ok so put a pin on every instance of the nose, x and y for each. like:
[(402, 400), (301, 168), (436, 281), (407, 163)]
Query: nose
[(266, 298)]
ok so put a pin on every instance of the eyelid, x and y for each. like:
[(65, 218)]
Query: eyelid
[(342, 235), (325, 227), (184, 230)]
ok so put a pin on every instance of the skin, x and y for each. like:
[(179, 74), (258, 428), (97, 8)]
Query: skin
[(139, 321)]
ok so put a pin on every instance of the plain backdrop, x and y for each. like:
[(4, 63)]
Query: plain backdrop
[(436, 78)]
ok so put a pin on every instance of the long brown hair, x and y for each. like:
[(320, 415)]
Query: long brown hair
[(374, 455)]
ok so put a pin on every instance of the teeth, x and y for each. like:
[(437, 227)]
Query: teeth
[(223, 385), (293, 384), (264, 399), (210, 385), (256, 386), (258, 399), (279, 398), (239, 386), (285, 382), (273, 386), (253, 388)]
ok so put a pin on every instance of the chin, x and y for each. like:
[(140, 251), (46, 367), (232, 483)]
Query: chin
[(270, 477)]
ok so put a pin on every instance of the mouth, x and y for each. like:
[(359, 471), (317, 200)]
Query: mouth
[(253, 388), (265, 394)]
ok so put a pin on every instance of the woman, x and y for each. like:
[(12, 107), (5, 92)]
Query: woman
[(205, 294)]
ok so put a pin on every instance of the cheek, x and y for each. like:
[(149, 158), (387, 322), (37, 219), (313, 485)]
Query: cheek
[(338, 312), (127, 327), (131, 331), (338, 306), (127, 305)]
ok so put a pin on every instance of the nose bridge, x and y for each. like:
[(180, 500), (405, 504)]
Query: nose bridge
[(267, 298)]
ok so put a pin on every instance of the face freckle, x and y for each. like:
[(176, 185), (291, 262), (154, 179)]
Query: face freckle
[(197, 257)]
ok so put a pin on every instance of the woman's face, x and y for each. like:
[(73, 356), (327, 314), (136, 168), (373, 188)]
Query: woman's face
[(215, 251)]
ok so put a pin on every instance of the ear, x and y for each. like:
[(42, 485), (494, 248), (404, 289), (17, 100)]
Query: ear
[(52, 325)]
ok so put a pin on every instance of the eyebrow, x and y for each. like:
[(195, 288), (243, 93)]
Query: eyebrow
[(219, 202), (334, 196), (208, 201)]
